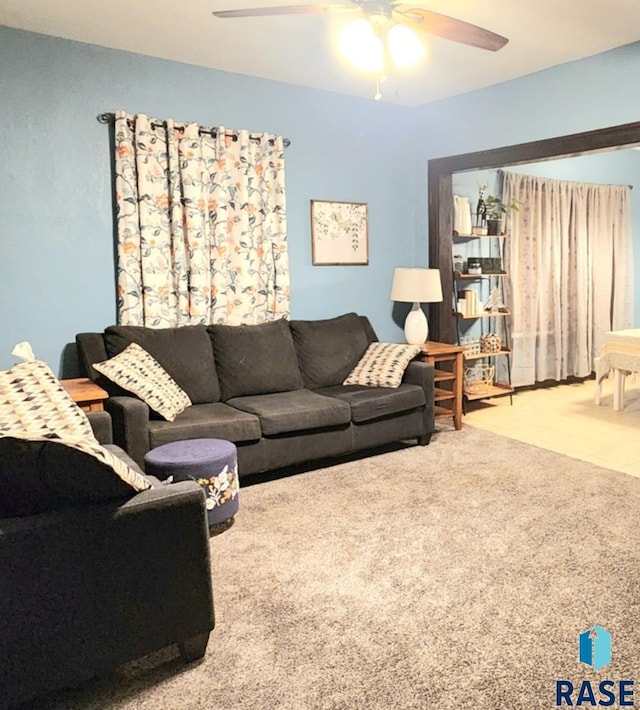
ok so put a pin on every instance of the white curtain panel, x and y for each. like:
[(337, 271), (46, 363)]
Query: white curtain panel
[(570, 274), (201, 225)]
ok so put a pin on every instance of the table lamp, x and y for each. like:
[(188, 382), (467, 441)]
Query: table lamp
[(416, 286)]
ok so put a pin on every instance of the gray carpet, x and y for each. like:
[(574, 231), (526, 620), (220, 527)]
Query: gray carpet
[(457, 575)]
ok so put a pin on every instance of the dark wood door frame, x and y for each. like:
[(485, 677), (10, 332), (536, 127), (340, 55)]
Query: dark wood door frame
[(440, 177)]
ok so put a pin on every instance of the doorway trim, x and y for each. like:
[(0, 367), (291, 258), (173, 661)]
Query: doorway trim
[(440, 195)]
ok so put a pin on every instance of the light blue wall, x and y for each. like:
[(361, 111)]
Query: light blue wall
[(592, 93), (56, 240)]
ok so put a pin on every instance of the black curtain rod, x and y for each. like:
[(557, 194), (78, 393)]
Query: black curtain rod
[(111, 117)]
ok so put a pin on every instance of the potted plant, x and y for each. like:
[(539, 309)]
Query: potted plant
[(496, 209)]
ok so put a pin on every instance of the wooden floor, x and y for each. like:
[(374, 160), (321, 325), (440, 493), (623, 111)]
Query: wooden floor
[(564, 418)]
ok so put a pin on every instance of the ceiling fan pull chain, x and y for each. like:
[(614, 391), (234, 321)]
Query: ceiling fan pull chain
[(379, 24)]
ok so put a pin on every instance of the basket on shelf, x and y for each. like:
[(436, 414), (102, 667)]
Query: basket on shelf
[(479, 378), (490, 343), (471, 346)]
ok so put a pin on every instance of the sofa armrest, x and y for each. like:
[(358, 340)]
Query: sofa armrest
[(422, 374), (171, 599), (86, 589), (130, 420), (101, 425)]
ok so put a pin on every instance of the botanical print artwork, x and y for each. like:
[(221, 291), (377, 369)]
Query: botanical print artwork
[(339, 233)]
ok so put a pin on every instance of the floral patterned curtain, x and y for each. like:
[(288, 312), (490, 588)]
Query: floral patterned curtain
[(201, 224)]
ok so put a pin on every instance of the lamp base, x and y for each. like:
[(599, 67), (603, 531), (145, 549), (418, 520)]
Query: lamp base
[(416, 328)]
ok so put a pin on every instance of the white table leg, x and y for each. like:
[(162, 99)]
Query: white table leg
[(618, 389), (597, 394)]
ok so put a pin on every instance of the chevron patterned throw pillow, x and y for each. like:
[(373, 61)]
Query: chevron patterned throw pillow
[(138, 372), (382, 365), (34, 406)]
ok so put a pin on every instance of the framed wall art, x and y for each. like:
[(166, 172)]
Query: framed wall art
[(339, 233)]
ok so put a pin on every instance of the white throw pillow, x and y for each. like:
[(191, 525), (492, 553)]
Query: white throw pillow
[(138, 372), (382, 365), (34, 406), (32, 400)]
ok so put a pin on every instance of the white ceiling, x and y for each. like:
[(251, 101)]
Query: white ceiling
[(300, 49)]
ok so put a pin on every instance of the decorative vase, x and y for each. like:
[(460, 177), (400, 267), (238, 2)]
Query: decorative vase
[(462, 215), (481, 213)]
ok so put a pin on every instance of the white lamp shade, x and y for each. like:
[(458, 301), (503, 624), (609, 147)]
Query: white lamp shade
[(416, 285)]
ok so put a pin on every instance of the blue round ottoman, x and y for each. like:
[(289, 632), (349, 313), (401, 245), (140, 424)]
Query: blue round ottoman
[(212, 463)]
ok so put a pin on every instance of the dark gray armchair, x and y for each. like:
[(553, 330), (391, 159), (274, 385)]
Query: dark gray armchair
[(85, 589)]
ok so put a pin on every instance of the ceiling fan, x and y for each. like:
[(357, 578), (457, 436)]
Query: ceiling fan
[(415, 18), (385, 29)]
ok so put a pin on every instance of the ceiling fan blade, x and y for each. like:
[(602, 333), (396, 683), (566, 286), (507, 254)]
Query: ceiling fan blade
[(278, 10), (450, 28)]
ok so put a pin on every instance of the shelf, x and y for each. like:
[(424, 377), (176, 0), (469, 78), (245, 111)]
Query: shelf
[(460, 275), (488, 314), (440, 394), (478, 356), (479, 236), (494, 391), (443, 375), (442, 412)]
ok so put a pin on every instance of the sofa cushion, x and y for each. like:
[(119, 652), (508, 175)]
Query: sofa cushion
[(369, 403), (285, 412), (255, 359), (328, 349), (138, 372), (382, 365), (215, 420), (44, 475), (184, 352)]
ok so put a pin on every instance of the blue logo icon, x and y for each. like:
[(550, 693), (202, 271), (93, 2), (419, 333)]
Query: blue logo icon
[(595, 647)]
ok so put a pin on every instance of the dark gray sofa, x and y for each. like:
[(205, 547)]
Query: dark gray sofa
[(88, 586), (274, 389)]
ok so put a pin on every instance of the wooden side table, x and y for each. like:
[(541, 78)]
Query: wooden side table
[(87, 395), (448, 362)]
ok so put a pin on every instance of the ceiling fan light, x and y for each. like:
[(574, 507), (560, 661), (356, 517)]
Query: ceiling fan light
[(359, 43), (404, 46)]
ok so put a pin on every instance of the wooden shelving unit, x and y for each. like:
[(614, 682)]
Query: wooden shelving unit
[(484, 314), (480, 356), (447, 364), (459, 275), (478, 236), (496, 389)]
